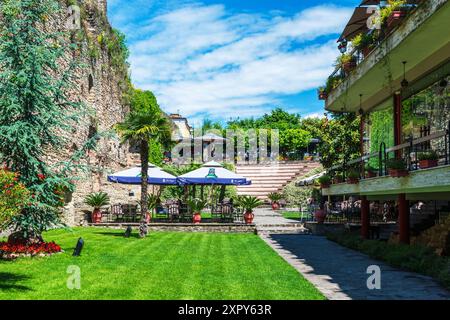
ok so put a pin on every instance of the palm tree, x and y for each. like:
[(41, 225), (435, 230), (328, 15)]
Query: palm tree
[(141, 127)]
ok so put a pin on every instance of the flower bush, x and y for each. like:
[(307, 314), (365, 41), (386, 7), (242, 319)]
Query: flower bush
[(12, 250), (13, 196)]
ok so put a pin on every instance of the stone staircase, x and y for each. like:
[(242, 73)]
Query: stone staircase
[(273, 177)]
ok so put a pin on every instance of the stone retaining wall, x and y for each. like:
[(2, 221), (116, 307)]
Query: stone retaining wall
[(184, 227)]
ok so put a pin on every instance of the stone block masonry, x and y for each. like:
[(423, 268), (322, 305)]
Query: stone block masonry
[(100, 85)]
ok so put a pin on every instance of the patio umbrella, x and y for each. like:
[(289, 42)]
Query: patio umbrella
[(212, 173), (156, 176)]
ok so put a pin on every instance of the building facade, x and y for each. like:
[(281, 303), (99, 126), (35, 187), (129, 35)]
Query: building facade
[(398, 82)]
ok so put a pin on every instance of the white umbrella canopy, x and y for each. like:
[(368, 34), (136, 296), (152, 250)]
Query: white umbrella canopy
[(156, 176), (211, 137), (212, 173)]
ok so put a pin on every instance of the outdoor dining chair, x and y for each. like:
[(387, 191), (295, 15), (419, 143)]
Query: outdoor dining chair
[(117, 212)]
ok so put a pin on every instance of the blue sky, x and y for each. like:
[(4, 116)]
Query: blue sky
[(222, 59)]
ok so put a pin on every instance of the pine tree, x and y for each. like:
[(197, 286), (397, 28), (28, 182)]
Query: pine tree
[(35, 108)]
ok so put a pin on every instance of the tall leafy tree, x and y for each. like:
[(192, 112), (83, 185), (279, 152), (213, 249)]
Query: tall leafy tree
[(36, 110), (144, 124)]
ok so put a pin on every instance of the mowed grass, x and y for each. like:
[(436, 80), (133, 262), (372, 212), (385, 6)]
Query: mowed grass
[(162, 266)]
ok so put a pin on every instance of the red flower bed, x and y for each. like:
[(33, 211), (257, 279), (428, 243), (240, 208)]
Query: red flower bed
[(14, 250)]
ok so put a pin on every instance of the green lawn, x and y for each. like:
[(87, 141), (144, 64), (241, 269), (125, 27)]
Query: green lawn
[(162, 266), (292, 214)]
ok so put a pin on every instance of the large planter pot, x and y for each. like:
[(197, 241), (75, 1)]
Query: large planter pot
[(148, 218), (275, 206), (248, 217), (349, 66), (425, 164), (324, 185), (395, 18), (398, 173), (352, 180), (320, 216), (371, 174), (96, 216), (197, 218), (366, 51), (323, 96)]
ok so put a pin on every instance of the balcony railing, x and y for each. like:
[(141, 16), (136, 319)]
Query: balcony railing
[(409, 151)]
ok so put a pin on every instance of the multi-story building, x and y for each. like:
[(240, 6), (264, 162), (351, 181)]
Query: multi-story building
[(395, 75)]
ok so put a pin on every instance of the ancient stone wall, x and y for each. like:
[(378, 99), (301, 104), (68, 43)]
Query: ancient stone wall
[(101, 86)]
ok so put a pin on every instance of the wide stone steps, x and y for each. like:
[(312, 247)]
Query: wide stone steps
[(282, 229), (271, 178)]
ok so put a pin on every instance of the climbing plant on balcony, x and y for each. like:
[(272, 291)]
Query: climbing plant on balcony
[(36, 110)]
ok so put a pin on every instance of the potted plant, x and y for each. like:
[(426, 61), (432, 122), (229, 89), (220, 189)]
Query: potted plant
[(363, 42), (353, 176), (338, 178), (371, 171), (97, 200), (428, 159), (320, 214), (274, 198), (347, 62), (397, 168), (322, 93), (392, 14), (325, 181), (248, 203), (196, 206)]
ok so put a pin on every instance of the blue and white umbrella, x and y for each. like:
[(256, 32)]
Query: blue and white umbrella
[(212, 173), (156, 176)]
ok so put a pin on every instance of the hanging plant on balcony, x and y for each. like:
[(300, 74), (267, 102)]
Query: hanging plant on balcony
[(325, 181), (347, 62), (428, 159), (371, 171), (332, 83), (392, 14), (338, 178), (363, 42), (397, 168), (322, 93), (353, 176)]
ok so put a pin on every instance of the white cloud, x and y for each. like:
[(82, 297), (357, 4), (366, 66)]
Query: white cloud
[(202, 59)]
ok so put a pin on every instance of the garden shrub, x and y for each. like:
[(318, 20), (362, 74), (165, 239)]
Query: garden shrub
[(13, 196)]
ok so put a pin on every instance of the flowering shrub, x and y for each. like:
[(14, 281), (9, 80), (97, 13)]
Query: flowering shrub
[(11, 250), (13, 196)]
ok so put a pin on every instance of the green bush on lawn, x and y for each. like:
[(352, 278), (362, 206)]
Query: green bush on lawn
[(414, 258)]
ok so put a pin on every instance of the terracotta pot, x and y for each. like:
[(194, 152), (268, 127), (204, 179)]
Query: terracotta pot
[(96, 216), (425, 164), (148, 218), (398, 173), (248, 217), (371, 174), (197, 218), (349, 66), (352, 180), (275, 206), (395, 18), (366, 51), (323, 96), (324, 185), (320, 216)]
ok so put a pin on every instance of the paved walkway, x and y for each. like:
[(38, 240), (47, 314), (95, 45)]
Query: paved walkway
[(341, 274)]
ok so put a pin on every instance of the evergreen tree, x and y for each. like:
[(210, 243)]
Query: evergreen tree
[(36, 112)]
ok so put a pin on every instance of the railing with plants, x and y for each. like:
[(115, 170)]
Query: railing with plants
[(416, 154), (390, 16)]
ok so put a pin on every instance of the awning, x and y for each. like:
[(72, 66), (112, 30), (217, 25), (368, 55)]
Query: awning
[(310, 181)]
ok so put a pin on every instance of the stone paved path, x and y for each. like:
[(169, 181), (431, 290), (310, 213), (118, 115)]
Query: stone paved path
[(268, 221), (340, 273)]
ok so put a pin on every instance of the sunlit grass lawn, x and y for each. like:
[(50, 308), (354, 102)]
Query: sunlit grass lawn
[(162, 266)]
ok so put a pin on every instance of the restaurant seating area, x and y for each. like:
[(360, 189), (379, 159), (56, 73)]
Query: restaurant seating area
[(173, 211)]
